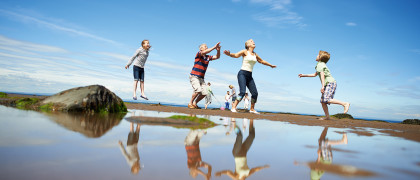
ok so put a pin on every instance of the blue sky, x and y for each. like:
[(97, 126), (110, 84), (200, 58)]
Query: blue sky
[(50, 46)]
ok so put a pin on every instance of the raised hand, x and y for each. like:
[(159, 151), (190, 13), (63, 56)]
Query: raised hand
[(227, 52)]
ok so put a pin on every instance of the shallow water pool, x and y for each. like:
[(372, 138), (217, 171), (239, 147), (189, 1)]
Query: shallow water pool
[(36, 145)]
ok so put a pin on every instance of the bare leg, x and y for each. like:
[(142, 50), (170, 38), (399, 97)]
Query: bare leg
[(142, 88), (199, 98), (346, 105), (252, 107), (135, 88), (234, 104), (138, 128), (336, 142), (193, 97), (325, 108)]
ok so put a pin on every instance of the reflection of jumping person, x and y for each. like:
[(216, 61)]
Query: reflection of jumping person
[(192, 145), (208, 96), (328, 84), (139, 59), (245, 78), (132, 154), (240, 149), (325, 153), (198, 71)]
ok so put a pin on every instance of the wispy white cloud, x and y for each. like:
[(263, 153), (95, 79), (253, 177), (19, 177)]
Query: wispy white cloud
[(410, 91), (408, 115), (26, 47), (279, 14), (351, 24), (53, 26)]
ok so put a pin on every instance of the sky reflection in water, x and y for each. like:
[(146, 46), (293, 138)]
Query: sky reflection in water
[(61, 146)]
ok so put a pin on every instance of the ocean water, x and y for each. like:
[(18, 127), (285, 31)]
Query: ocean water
[(35, 145)]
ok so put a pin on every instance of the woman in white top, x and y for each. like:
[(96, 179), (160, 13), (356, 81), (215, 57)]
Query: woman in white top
[(245, 74)]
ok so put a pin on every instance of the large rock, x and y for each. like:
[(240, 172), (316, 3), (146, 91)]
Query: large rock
[(93, 98)]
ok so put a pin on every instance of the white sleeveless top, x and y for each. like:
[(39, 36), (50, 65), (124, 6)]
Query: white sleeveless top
[(248, 62)]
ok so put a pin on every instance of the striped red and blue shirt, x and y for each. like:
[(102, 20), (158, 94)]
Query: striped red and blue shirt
[(200, 65)]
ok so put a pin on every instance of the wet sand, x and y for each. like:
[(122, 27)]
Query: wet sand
[(359, 127)]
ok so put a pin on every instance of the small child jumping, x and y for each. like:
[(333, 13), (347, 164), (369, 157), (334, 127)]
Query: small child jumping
[(328, 84)]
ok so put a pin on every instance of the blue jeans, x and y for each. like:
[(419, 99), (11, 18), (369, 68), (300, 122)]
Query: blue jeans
[(245, 80), (227, 105)]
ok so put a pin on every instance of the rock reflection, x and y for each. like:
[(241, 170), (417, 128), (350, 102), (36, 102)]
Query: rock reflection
[(131, 153), (240, 150), (324, 160), (194, 161), (90, 125)]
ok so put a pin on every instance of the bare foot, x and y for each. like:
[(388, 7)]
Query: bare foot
[(324, 118), (346, 107)]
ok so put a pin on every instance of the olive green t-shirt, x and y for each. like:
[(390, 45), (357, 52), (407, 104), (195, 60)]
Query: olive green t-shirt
[(322, 67)]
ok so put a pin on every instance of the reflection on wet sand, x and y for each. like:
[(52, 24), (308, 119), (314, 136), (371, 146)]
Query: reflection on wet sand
[(90, 125), (240, 150), (131, 154), (194, 161), (325, 157)]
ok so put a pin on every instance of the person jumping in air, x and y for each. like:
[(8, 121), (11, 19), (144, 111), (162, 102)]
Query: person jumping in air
[(198, 71), (328, 84), (245, 78), (139, 59)]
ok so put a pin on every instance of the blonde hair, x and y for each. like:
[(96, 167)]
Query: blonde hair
[(324, 56), (201, 45), (246, 42)]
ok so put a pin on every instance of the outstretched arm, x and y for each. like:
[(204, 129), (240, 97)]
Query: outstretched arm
[(307, 75), (264, 62), (204, 52), (218, 53), (235, 55)]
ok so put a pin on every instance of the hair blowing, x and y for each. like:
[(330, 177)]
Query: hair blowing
[(324, 56)]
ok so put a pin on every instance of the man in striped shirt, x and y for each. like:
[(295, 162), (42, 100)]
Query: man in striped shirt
[(198, 72)]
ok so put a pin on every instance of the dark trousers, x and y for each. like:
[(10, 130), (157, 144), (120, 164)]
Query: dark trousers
[(245, 80)]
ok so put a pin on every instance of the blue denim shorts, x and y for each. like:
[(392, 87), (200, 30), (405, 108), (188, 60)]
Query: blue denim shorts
[(138, 73)]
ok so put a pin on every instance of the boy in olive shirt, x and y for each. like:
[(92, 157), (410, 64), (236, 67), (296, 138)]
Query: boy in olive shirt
[(328, 84)]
